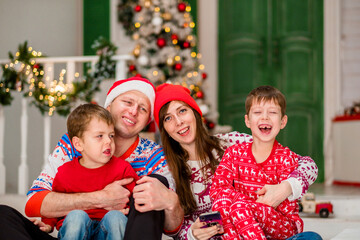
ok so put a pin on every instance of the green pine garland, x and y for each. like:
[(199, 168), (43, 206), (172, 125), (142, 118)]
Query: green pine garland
[(16, 76)]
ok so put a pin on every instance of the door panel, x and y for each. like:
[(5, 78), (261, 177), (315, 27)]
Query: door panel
[(241, 57), (278, 43)]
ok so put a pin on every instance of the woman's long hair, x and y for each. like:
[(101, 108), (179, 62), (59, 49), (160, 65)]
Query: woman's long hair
[(177, 157)]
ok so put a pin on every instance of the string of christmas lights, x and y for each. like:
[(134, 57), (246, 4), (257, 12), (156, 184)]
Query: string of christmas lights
[(51, 95)]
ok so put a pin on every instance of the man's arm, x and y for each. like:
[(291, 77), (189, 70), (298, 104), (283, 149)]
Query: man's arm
[(113, 196)]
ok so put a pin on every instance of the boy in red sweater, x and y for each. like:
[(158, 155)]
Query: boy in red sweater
[(245, 168), (91, 129)]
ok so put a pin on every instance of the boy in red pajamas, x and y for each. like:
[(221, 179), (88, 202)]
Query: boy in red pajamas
[(245, 168)]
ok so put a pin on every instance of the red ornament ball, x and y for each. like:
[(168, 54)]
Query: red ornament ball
[(181, 7), (204, 76), (211, 125), (174, 37), (36, 66), (132, 68), (178, 66), (137, 8), (161, 42), (186, 44), (138, 75), (200, 94)]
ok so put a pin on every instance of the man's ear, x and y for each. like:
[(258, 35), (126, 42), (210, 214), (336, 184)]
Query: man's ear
[(283, 121), (247, 122), (77, 143)]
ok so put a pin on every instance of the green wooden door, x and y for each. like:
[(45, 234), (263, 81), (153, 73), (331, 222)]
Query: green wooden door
[(96, 23), (279, 43)]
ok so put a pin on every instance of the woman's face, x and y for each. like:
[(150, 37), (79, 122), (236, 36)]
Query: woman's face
[(180, 123)]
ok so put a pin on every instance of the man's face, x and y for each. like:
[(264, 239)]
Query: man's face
[(131, 112)]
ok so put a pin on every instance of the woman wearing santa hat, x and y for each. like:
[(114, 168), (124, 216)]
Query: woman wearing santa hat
[(131, 103), (193, 155)]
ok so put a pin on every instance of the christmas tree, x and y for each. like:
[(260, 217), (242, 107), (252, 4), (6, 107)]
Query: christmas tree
[(165, 47)]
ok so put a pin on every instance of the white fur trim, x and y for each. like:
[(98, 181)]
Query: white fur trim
[(137, 85)]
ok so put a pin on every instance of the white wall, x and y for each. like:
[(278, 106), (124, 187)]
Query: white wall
[(350, 52), (55, 29)]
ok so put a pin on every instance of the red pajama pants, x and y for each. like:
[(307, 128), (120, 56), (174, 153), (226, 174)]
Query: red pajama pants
[(252, 220)]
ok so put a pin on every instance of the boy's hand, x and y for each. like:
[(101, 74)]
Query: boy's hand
[(42, 226), (125, 211), (273, 195)]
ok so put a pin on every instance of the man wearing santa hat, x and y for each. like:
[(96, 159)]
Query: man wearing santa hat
[(131, 103)]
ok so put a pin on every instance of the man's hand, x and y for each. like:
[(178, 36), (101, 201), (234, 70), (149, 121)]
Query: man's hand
[(273, 195), (150, 194), (114, 196)]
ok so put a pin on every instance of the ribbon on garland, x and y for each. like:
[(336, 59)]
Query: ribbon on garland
[(23, 74)]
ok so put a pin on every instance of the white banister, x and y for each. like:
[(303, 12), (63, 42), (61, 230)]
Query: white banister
[(23, 168), (2, 166), (50, 74), (70, 71), (120, 72), (47, 129)]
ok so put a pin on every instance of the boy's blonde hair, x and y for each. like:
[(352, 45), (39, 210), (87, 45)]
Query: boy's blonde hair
[(80, 117), (265, 93)]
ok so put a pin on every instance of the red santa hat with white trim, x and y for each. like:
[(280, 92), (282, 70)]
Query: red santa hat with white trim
[(134, 83)]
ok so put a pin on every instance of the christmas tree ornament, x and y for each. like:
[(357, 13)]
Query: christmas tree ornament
[(135, 36), (178, 66), (210, 124), (204, 109), (143, 60), (136, 51), (157, 21), (147, 3), (204, 76), (200, 94), (132, 68), (137, 8), (186, 44), (181, 7), (170, 61), (166, 16), (174, 36), (161, 42)]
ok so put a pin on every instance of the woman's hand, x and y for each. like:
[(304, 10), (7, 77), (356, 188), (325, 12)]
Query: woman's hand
[(42, 226), (203, 233), (273, 195)]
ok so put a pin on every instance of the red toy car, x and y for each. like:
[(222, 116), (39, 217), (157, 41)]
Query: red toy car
[(307, 204)]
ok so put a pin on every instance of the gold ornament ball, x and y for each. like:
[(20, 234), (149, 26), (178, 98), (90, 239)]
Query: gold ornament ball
[(166, 16)]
